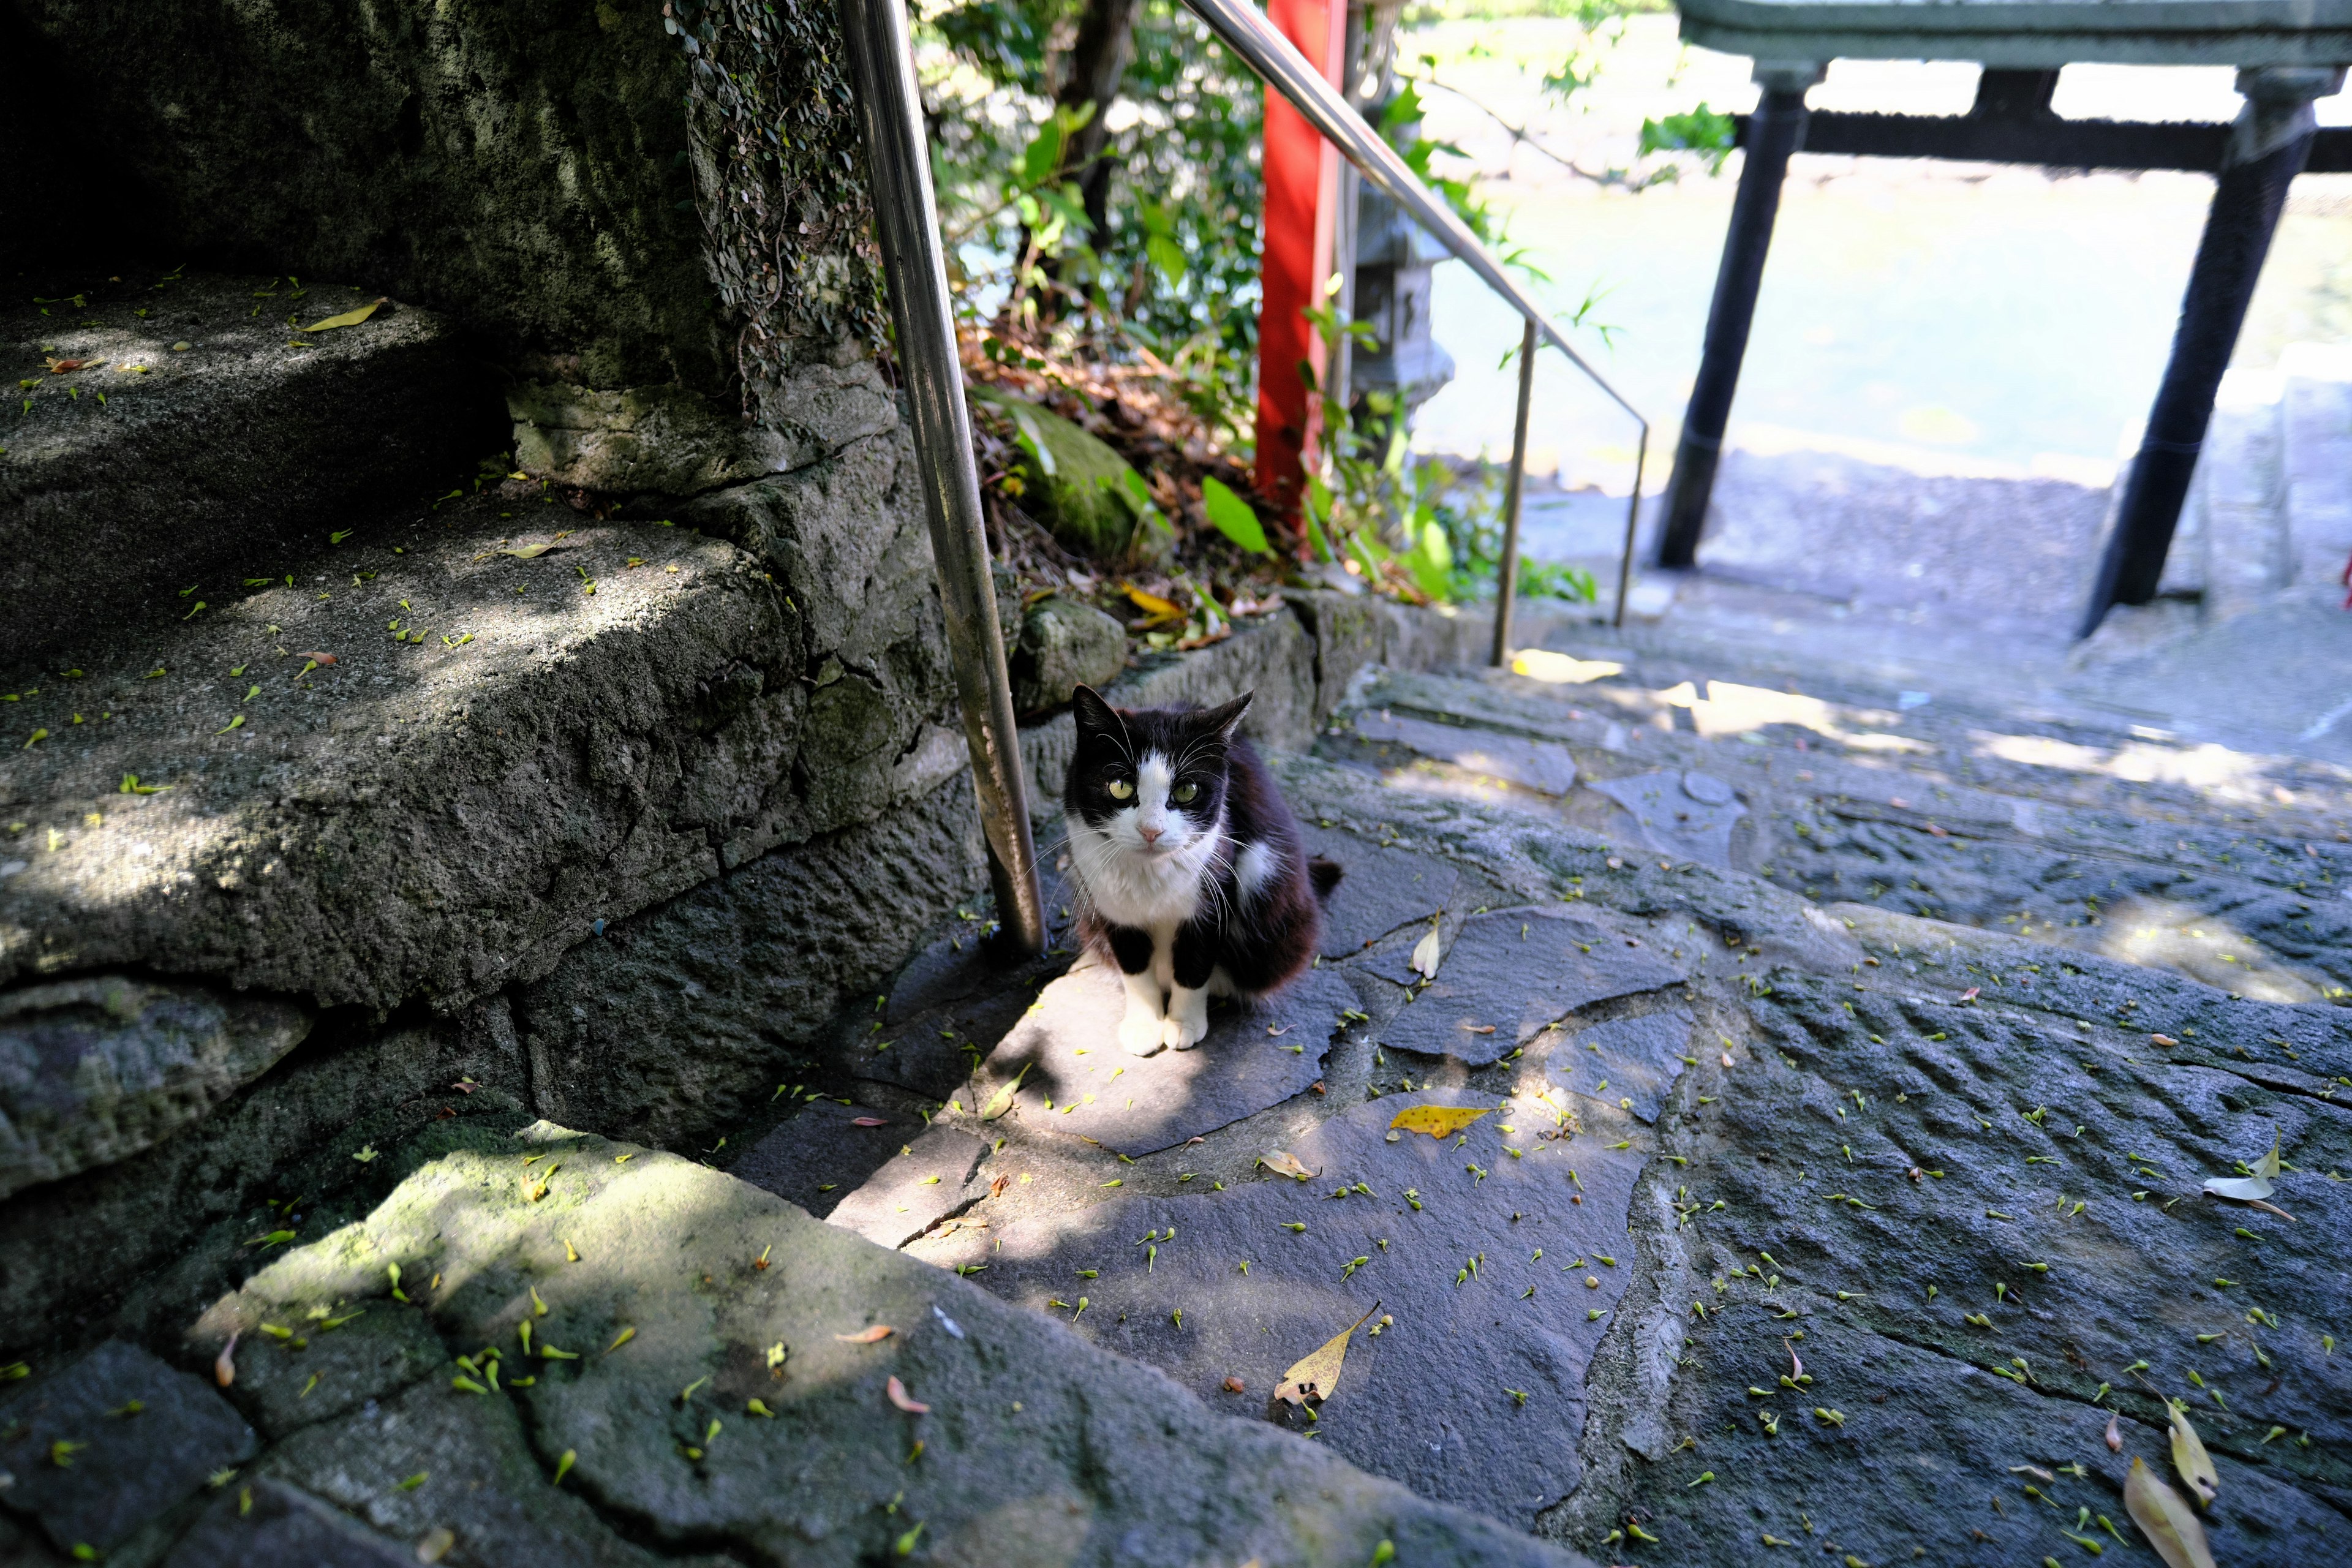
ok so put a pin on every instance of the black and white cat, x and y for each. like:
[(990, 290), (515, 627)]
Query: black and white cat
[(1192, 877)]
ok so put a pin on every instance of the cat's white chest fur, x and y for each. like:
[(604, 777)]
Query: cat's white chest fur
[(1156, 894)]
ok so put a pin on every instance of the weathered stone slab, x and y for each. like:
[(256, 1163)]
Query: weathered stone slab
[(820, 1156), (1685, 813), (741, 971), (924, 1182), (956, 997), (483, 1479), (131, 1465), (268, 1524), (373, 1352), (426, 815), (1385, 889), (1035, 1437), (1630, 1063), (1917, 1467), (1429, 1400), (1079, 1083), (1542, 765), (95, 1070), (1517, 972)]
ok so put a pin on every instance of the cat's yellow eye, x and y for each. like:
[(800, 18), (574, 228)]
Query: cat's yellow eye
[(1121, 789), (1185, 792)]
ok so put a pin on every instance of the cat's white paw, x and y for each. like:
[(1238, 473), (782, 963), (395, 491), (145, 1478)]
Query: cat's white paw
[(1188, 1019), (1139, 1032)]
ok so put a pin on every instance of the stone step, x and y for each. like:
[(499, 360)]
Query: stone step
[(426, 772), (205, 440), (533, 1345)]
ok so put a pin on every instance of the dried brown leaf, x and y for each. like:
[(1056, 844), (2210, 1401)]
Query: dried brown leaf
[(2170, 1525), (2189, 1457), (1317, 1377)]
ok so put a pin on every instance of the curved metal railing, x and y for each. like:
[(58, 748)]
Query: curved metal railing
[(914, 263), (1277, 62)]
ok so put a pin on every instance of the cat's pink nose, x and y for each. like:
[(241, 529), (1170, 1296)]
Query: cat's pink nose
[(1150, 835)]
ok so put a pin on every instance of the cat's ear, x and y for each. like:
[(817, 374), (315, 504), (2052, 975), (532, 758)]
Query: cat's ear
[(1093, 715), (1223, 722)]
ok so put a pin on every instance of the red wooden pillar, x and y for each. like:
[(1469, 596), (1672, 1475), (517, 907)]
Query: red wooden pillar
[(1302, 184)]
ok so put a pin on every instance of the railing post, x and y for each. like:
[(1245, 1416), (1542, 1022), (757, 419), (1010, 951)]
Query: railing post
[(2267, 149), (1775, 131), (1506, 582), (905, 220)]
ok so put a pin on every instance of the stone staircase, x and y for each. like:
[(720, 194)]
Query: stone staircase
[(370, 815)]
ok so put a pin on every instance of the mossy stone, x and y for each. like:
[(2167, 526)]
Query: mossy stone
[(1078, 486)]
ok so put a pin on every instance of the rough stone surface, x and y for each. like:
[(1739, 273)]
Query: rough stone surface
[(1428, 1401), (369, 1354), (1630, 1063), (1540, 765), (485, 1480), (228, 458), (1384, 890), (1688, 814), (176, 1219), (1103, 1462), (270, 1524), (522, 168), (93, 1070), (1080, 1084), (672, 441), (954, 999), (919, 1185), (131, 1465), (430, 816), (819, 1156), (740, 971), (1520, 971), (1064, 644)]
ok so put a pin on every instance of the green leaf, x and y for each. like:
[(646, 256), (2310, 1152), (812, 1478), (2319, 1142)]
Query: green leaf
[(1169, 256), (1233, 515), (1703, 131), (1044, 155)]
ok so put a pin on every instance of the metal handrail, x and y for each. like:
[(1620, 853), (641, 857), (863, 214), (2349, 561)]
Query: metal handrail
[(1277, 62), (906, 221)]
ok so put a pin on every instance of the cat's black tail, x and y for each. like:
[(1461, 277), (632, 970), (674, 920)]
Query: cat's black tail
[(1325, 875)]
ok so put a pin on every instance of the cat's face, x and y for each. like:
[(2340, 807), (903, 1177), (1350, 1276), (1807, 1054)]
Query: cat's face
[(1150, 783)]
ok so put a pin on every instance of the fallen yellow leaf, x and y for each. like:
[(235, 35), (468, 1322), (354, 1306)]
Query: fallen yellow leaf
[(1437, 1120), (348, 319), (1152, 604), (2189, 1457), (1001, 1101), (1318, 1377), (1283, 1164), (2170, 1524), (529, 552)]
